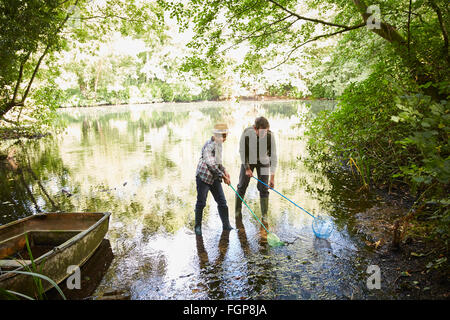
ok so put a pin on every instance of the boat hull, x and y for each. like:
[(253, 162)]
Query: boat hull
[(56, 263)]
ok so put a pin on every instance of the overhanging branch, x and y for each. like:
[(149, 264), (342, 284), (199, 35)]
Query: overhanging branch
[(19, 79), (264, 33), (385, 31), (314, 39), (309, 19)]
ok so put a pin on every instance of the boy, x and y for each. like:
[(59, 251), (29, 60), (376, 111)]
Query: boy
[(209, 175)]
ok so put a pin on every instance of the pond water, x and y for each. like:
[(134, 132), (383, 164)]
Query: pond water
[(138, 162)]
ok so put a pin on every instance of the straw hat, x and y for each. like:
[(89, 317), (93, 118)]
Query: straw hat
[(220, 128)]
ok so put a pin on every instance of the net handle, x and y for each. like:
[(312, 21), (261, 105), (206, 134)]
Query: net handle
[(284, 197), (249, 208)]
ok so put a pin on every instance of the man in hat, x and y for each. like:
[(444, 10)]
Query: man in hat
[(209, 175), (258, 151)]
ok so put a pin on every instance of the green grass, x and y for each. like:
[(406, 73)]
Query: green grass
[(37, 275)]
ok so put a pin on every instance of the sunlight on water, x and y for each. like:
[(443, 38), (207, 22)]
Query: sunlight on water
[(139, 162)]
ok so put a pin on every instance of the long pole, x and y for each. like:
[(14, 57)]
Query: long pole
[(284, 197), (249, 208)]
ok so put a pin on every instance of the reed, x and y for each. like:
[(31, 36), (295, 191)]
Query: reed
[(37, 276)]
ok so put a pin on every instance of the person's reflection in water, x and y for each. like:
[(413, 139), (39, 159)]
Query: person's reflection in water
[(267, 278), (262, 240), (242, 234), (211, 272), (224, 242), (258, 281), (263, 234), (202, 254)]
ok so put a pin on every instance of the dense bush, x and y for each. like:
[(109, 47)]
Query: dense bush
[(389, 137), (321, 91), (284, 90)]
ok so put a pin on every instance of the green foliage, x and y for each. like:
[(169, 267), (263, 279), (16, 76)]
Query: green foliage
[(284, 90), (30, 32), (355, 129), (321, 91), (35, 32), (389, 138), (429, 128), (37, 276), (273, 33)]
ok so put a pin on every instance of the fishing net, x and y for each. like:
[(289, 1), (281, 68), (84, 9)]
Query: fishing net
[(273, 240), (322, 227)]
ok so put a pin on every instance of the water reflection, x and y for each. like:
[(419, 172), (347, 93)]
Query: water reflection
[(210, 270), (92, 273), (139, 162)]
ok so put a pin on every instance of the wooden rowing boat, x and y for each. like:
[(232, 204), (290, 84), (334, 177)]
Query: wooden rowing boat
[(57, 241)]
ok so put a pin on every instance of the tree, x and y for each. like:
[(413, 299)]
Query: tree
[(31, 30), (34, 30), (275, 30)]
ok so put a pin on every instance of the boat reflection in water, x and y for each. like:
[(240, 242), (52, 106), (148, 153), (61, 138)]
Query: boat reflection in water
[(91, 272)]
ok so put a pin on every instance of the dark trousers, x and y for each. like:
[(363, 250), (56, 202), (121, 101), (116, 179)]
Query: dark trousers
[(202, 193), (244, 181)]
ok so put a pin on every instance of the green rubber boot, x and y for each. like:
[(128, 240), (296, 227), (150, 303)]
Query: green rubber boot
[(264, 206), (198, 223), (223, 213)]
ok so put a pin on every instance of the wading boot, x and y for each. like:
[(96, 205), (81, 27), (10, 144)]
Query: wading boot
[(223, 214), (264, 206), (198, 222)]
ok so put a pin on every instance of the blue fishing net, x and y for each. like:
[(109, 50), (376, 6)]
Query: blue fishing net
[(322, 227)]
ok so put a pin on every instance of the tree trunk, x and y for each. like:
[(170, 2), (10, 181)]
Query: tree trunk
[(390, 33), (6, 107)]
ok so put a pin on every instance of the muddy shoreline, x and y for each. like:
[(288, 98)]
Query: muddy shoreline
[(407, 264)]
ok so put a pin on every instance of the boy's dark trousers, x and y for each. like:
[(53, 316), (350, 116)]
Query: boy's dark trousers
[(244, 180), (219, 197)]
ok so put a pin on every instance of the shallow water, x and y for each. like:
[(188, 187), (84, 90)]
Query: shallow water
[(138, 162)]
